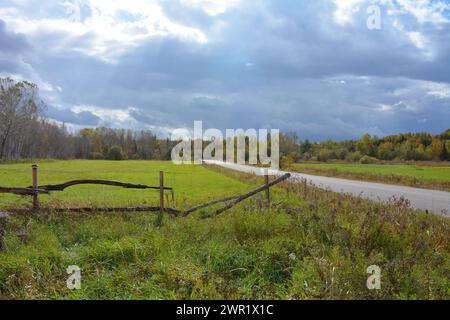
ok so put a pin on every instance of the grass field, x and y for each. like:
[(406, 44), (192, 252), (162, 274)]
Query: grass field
[(311, 244), (425, 176), (191, 183)]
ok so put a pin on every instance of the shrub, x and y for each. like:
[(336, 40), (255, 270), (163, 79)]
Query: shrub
[(355, 156), (326, 155), (368, 160), (96, 156), (115, 153)]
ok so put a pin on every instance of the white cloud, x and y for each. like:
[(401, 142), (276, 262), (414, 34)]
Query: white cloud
[(345, 9), (29, 74), (211, 7), (384, 107), (112, 26), (115, 117), (417, 39), (399, 106), (421, 87), (422, 43), (438, 90), (426, 11), (121, 118)]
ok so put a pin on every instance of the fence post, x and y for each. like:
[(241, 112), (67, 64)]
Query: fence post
[(161, 191), (35, 186), (173, 198), (266, 179), (3, 223)]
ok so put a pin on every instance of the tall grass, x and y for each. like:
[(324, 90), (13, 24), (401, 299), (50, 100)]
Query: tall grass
[(311, 244)]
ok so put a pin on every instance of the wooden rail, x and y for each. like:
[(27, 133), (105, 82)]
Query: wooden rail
[(22, 191), (35, 190), (232, 201), (94, 209), (63, 186)]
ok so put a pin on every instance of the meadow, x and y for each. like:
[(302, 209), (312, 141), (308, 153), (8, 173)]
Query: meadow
[(192, 184), (430, 176), (309, 244)]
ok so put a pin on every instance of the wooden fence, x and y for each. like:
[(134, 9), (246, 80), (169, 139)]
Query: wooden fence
[(35, 190)]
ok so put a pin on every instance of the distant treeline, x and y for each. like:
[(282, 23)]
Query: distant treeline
[(400, 147), (26, 134)]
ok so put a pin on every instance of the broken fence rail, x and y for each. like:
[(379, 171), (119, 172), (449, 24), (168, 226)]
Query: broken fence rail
[(63, 186), (30, 191), (233, 201)]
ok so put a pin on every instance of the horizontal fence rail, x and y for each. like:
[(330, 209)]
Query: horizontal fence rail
[(63, 186), (22, 191), (29, 191), (230, 202), (35, 190)]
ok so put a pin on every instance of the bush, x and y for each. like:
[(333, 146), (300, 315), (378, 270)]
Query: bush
[(355, 156), (96, 156), (290, 159), (368, 160), (326, 155), (115, 153)]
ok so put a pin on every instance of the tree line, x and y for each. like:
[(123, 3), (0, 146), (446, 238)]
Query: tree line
[(25, 133), (369, 149)]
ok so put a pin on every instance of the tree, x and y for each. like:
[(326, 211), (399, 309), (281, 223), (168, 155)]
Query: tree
[(420, 153), (115, 153), (386, 151), (19, 107), (366, 146), (288, 143), (447, 149), (305, 147), (445, 135), (436, 149)]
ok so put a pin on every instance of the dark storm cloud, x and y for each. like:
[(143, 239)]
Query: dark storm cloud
[(11, 42), (13, 47), (276, 64)]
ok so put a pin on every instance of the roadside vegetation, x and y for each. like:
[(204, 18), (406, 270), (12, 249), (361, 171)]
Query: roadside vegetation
[(369, 149), (432, 176), (310, 244)]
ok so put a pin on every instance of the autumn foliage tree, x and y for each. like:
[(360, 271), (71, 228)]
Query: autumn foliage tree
[(19, 107)]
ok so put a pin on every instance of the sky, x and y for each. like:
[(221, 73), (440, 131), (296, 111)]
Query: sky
[(312, 66)]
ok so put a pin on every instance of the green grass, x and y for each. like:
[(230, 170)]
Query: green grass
[(440, 173), (311, 244), (192, 184), (426, 176)]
